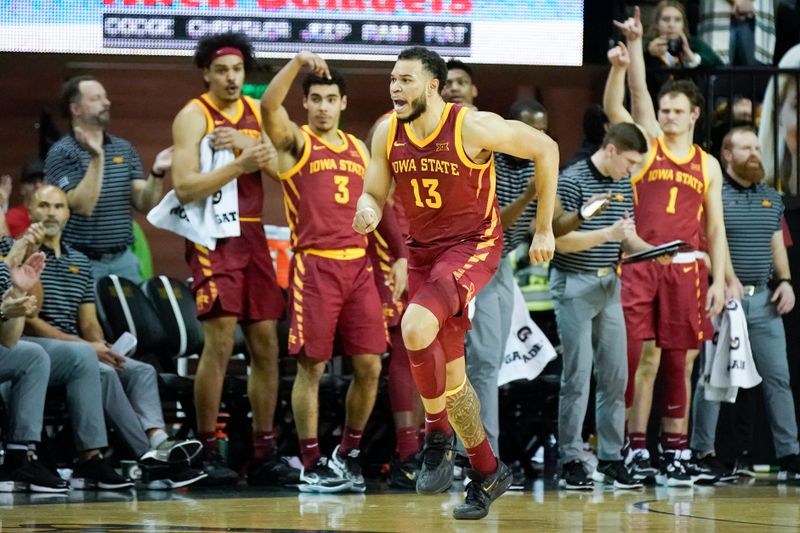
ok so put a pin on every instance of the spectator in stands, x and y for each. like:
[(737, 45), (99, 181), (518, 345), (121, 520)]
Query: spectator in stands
[(103, 177), (740, 32), (595, 124), (18, 218), (669, 43), (779, 155), (24, 367), (460, 87), (129, 387)]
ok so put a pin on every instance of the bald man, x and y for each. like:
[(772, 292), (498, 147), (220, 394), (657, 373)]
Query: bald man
[(129, 387)]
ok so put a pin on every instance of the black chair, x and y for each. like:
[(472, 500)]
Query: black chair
[(125, 307)]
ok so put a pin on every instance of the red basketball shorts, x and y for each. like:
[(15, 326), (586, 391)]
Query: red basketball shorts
[(666, 303), (237, 278), (329, 296)]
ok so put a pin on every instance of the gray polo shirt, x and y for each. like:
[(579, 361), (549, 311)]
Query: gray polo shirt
[(576, 184), (108, 229), (752, 216)]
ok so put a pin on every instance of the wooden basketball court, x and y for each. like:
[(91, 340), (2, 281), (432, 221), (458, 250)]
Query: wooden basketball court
[(762, 506)]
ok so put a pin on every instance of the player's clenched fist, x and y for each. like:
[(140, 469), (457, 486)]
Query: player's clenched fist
[(366, 220), (256, 157), (542, 247)]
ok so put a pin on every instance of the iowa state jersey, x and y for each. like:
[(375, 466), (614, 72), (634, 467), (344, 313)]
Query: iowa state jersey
[(247, 120), (321, 191), (668, 196), (445, 196)]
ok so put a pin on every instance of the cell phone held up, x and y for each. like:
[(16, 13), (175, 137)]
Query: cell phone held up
[(675, 46)]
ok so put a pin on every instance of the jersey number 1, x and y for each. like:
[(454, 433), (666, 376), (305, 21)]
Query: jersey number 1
[(673, 198), (432, 197)]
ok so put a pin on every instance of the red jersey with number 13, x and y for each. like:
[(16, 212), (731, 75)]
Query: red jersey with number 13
[(668, 196), (447, 198)]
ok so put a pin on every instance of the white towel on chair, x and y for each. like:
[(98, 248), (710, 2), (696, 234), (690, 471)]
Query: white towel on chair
[(205, 220)]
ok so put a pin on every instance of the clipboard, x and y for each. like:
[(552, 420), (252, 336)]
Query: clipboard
[(668, 248)]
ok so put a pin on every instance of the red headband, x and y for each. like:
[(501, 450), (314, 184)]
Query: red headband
[(226, 51)]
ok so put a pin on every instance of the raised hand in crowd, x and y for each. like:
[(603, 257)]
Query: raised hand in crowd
[(632, 28)]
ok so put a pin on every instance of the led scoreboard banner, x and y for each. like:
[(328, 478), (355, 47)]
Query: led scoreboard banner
[(534, 32)]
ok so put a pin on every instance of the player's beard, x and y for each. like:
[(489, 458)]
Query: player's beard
[(749, 173), (418, 107)]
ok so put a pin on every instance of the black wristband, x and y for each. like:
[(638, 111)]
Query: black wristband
[(153, 173), (787, 280)]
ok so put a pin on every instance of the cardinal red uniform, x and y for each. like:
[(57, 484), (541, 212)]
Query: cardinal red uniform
[(450, 204), (237, 278), (331, 287), (666, 303)]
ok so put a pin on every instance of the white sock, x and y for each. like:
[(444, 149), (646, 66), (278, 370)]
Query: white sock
[(157, 438)]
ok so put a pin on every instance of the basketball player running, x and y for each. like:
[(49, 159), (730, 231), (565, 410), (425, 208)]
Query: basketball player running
[(332, 286), (440, 158), (677, 184), (236, 281)]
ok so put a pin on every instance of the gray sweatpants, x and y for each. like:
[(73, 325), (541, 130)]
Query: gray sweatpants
[(592, 330), (74, 364), (486, 342), (131, 401), (24, 371), (768, 342)]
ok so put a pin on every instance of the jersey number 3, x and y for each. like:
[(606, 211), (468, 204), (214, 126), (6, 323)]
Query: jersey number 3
[(432, 197), (342, 196)]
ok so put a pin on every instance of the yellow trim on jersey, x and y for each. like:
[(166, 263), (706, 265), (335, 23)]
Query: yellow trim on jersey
[(360, 149), (201, 248), (239, 109), (255, 107), (435, 133), (337, 149), (249, 219), (492, 185), (342, 254), (462, 155), (703, 156), (704, 171), (299, 263), (391, 134), (302, 160), (651, 156), (204, 109), (670, 155)]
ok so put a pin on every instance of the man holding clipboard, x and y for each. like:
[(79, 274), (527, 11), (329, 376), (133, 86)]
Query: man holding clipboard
[(586, 294)]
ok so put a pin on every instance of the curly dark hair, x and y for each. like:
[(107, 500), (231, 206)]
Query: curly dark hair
[(204, 53), (431, 61)]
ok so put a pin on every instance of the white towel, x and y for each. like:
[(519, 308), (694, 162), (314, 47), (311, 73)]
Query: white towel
[(729, 361), (205, 220), (527, 349)]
